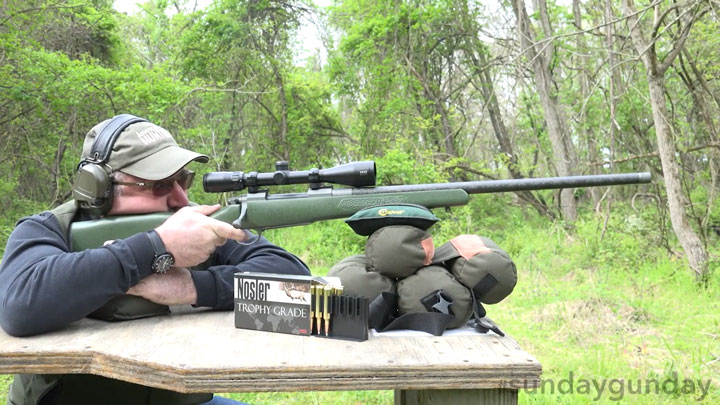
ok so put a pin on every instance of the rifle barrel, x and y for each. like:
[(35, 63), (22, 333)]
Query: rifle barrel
[(498, 186)]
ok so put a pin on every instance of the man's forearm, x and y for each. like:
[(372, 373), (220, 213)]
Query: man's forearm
[(43, 286), (176, 287)]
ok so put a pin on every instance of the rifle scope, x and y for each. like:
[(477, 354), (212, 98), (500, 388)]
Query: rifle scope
[(356, 174)]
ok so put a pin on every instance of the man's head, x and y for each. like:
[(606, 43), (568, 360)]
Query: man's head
[(143, 151)]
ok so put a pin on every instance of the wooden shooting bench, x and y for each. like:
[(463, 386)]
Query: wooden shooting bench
[(204, 352)]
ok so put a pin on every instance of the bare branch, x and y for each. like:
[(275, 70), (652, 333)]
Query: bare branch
[(680, 43), (55, 6), (655, 154)]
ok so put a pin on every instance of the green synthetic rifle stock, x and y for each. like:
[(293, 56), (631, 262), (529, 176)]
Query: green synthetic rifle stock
[(258, 210)]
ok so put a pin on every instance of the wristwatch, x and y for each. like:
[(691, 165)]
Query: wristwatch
[(163, 260)]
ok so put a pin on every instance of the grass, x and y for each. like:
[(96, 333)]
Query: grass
[(611, 314)]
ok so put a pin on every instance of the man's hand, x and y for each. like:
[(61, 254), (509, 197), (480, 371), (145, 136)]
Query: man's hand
[(191, 236), (172, 288)]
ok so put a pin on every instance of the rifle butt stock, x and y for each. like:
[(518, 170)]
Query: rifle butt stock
[(94, 233)]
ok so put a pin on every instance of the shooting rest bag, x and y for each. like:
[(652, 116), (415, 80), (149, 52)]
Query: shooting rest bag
[(399, 250), (480, 265), (434, 289), (369, 220), (358, 280)]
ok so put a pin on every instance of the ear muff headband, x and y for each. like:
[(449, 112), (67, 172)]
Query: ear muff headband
[(100, 151), (92, 188)]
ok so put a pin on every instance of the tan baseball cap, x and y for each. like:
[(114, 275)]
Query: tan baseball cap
[(144, 150)]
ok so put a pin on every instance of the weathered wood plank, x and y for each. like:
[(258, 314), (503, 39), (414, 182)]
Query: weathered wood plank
[(204, 352)]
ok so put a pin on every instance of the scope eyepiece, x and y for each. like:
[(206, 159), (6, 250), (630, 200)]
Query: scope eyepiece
[(218, 182), (356, 174)]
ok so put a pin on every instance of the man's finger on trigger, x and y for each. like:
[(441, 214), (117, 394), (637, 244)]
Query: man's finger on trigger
[(230, 232), (239, 235), (223, 230)]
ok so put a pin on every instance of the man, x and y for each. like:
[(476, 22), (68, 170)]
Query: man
[(45, 286)]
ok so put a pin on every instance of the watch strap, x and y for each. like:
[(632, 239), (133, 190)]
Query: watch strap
[(163, 260), (157, 243)]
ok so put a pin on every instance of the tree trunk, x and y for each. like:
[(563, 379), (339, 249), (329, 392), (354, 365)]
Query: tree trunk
[(556, 125), (586, 132), (282, 141), (437, 97), (612, 88), (655, 72), (501, 134), (694, 84), (691, 243)]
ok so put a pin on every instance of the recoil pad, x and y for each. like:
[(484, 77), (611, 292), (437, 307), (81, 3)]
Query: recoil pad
[(434, 289), (480, 265), (399, 250), (358, 280)]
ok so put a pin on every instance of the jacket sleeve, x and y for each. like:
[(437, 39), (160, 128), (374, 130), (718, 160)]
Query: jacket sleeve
[(215, 286), (44, 286)]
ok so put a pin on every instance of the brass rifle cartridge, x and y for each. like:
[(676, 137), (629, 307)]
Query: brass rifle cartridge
[(327, 292), (313, 308)]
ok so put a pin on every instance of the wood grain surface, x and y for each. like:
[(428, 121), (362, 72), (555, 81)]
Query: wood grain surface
[(204, 352)]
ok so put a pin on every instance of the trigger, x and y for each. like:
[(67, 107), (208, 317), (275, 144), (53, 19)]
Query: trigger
[(238, 222)]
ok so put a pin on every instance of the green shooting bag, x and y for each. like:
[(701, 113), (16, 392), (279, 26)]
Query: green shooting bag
[(369, 220), (480, 265), (358, 280), (399, 250), (433, 289), (437, 289)]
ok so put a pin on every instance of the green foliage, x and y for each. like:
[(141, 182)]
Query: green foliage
[(57, 99), (73, 27), (13, 209), (319, 245), (620, 310), (707, 44), (395, 55), (700, 197), (398, 166), (316, 127)]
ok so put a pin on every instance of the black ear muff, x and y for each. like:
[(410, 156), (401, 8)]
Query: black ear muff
[(92, 187)]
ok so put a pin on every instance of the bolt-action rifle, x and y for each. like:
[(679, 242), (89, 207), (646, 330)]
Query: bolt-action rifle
[(259, 210)]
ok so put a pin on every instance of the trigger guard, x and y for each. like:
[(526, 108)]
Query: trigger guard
[(238, 224), (243, 212)]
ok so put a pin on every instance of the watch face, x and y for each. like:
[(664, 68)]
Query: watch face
[(163, 263)]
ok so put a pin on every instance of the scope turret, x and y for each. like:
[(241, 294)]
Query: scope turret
[(356, 174)]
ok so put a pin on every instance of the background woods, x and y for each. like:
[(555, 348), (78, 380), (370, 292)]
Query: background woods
[(435, 90), (470, 90)]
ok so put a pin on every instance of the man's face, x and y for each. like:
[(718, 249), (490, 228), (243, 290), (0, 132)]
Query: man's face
[(136, 199)]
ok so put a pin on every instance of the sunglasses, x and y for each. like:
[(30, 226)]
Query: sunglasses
[(163, 187)]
